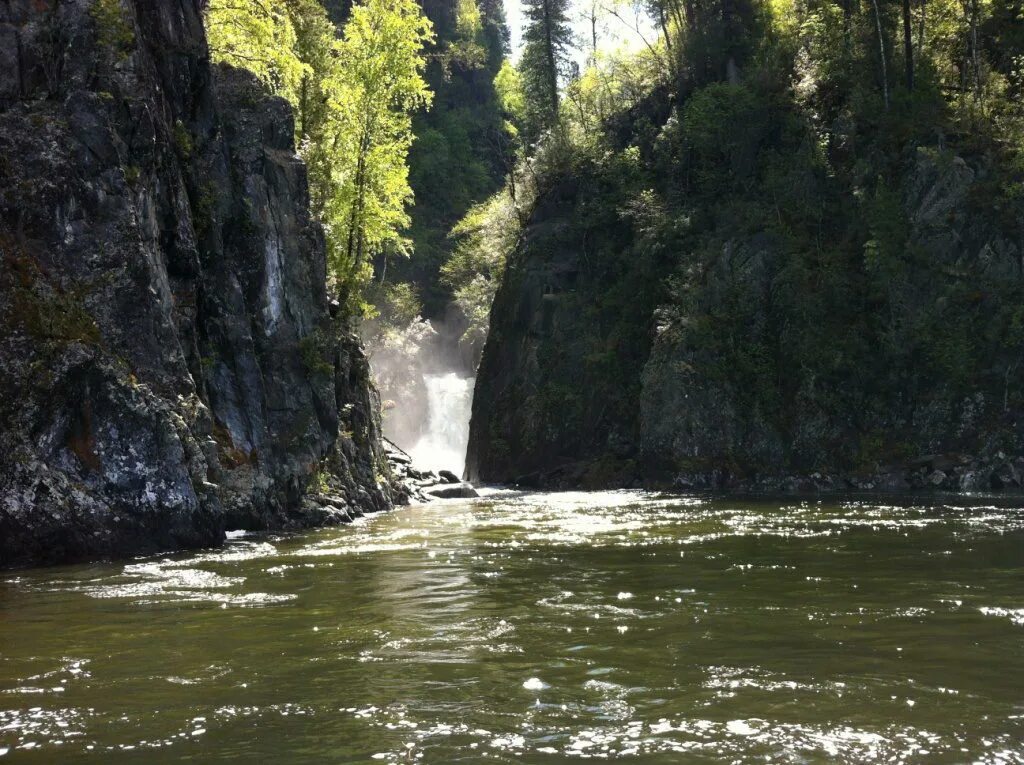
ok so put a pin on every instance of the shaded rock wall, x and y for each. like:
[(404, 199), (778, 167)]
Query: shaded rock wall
[(169, 365), (896, 425), (556, 391), (593, 375)]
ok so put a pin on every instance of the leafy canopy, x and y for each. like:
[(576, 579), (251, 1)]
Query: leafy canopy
[(354, 96)]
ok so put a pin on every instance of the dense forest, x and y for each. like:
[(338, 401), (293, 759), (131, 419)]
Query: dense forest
[(783, 240)]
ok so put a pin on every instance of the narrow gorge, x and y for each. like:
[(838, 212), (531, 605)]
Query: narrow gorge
[(520, 381)]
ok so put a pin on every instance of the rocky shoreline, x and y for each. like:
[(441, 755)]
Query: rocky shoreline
[(423, 485), (940, 473)]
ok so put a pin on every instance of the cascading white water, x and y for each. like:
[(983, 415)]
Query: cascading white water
[(449, 403)]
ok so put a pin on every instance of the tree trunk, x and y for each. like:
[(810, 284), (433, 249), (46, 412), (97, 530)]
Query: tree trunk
[(663, 22), (304, 106), (881, 50), (848, 28), (355, 225), (593, 34), (908, 45), (920, 29), (691, 15), (552, 67), (975, 53)]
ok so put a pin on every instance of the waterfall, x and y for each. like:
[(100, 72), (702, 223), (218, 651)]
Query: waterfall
[(449, 403)]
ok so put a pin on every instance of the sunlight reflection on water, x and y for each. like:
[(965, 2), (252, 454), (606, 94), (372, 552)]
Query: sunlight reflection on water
[(541, 628)]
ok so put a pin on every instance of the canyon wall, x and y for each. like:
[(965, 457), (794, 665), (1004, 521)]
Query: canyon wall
[(171, 365), (705, 303)]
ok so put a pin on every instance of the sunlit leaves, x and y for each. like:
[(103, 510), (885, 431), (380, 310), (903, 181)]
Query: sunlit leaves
[(353, 96), (258, 36)]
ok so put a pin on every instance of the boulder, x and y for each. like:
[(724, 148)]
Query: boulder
[(1006, 476), (452, 491)]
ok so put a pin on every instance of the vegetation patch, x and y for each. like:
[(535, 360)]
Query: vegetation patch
[(114, 27)]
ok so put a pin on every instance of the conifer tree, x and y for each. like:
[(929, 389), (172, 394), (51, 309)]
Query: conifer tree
[(548, 40)]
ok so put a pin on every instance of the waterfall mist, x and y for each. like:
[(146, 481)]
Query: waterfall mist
[(449, 403), (425, 378)]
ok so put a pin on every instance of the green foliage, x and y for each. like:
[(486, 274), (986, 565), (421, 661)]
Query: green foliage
[(113, 26), (183, 140), (508, 84), (611, 84), (204, 208), (468, 47), (833, 216), (390, 329), (354, 98), (484, 238), (462, 148), (259, 37), (547, 44), (316, 351), (396, 304), (379, 82)]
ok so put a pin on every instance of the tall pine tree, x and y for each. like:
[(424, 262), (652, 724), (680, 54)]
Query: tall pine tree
[(547, 42)]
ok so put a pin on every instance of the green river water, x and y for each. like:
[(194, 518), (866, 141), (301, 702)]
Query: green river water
[(540, 628)]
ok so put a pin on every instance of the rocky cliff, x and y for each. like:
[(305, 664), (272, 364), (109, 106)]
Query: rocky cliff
[(923, 387), (708, 304), (169, 363), (556, 391)]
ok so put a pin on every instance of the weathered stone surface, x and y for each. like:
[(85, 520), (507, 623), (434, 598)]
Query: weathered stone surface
[(448, 476), (557, 386), (409, 483), (692, 421), (452, 491), (571, 393), (169, 366)]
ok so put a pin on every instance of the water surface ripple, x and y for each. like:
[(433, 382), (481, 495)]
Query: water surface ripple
[(540, 628)]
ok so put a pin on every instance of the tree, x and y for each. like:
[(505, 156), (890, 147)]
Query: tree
[(259, 37), (547, 42), (461, 150), (908, 45), (380, 82), (353, 98)]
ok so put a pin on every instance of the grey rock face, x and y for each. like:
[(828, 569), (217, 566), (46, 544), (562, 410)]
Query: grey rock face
[(452, 491), (168, 364), (555, 397), (563, 399), (691, 422)]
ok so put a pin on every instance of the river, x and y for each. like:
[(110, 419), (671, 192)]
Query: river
[(541, 628)]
